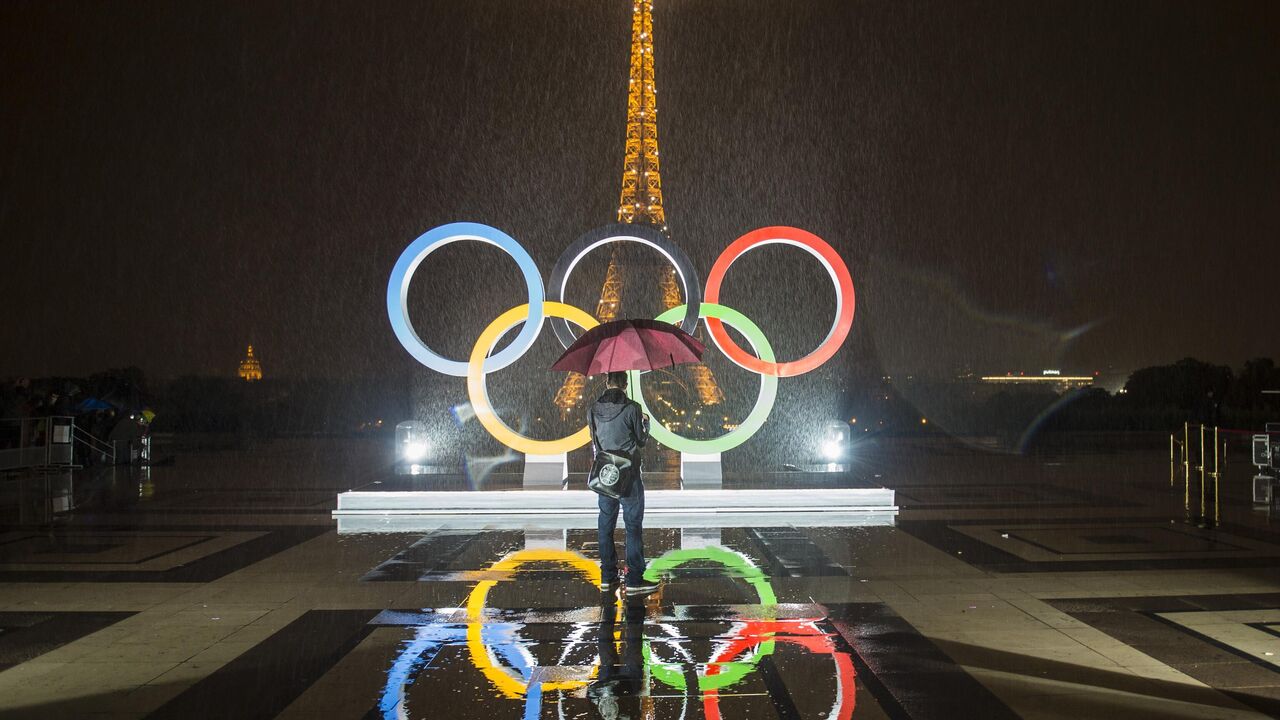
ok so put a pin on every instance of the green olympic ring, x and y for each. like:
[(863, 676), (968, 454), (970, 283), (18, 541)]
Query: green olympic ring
[(759, 412)]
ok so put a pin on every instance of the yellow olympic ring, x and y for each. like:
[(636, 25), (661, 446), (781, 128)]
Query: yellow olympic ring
[(504, 679), (479, 394)]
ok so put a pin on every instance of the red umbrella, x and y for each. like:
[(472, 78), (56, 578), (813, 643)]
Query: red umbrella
[(630, 345)]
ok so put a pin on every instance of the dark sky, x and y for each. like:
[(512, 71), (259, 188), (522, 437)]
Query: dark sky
[(1090, 184)]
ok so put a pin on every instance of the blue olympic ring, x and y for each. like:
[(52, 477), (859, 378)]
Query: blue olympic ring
[(402, 274)]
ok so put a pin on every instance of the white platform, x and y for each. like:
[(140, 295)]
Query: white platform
[(366, 524), (546, 471), (701, 470), (409, 511)]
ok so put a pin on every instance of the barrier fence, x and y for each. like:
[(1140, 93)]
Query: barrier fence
[(1199, 456), (48, 442), (1192, 449)]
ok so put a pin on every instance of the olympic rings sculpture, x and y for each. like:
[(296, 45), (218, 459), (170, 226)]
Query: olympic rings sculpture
[(543, 305)]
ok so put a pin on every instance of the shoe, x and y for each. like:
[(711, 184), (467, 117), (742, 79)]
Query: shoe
[(608, 585), (601, 688), (644, 588)]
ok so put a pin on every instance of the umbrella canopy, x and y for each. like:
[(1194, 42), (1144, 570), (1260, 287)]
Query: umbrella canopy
[(630, 345), (91, 404)]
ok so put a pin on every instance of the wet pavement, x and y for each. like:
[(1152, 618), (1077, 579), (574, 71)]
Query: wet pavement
[(1055, 586)]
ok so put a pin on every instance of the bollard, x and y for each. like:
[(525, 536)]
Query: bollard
[(1217, 476), (1186, 467), (1201, 468)]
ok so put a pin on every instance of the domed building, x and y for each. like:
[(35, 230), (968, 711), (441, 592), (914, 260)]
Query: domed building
[(250, 368)]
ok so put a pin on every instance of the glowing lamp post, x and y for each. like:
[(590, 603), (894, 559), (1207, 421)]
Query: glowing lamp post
[(412, 447), (835, 442)]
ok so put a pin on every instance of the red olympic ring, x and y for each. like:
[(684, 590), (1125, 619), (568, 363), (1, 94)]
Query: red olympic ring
[(796, 632), (840, 277)]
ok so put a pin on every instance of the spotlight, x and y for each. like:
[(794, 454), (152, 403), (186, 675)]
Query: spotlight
[(836, 441), (412, 445), (415, 451)]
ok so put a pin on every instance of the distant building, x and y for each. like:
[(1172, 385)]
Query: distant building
[(250, 368), (1047, 378)]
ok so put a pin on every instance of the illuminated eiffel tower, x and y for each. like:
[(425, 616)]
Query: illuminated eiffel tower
[(641, 202)]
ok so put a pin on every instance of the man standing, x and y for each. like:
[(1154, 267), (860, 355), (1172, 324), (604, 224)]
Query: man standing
[(618, 425)]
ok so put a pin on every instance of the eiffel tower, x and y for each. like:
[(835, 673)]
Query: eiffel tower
[(641, 202)]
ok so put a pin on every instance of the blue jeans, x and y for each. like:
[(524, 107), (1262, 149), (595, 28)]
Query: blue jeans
[(633, 518)]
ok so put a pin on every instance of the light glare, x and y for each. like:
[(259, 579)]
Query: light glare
[(415, 450)]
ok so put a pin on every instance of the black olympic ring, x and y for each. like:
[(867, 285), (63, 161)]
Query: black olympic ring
[(690, 283)]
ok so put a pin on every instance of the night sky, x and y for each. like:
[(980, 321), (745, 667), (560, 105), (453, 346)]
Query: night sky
[(1089, 184)]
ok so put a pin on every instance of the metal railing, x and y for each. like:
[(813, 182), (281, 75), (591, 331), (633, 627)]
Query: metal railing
[(36, 442), (1217, 451), (46, 442), (92, 444)]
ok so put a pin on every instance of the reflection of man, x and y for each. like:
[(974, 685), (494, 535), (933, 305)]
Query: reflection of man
[(618, 425), (627, 678)]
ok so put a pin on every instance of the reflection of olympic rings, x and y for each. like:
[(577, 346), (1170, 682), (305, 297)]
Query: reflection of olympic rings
[(671, 640), (502, 678), (803, 633), (724, 557), (671, 674), (751, 641), (495, 647), (533, 313), (501, 655)]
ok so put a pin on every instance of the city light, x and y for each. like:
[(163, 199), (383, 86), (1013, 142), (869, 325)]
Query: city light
[(1039, 378)]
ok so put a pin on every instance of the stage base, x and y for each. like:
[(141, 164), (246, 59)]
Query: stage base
[(360, 511), (546, 471), (701, 471)]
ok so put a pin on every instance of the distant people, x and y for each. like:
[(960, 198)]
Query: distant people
[(26, 402), (101, 423), (40, 422), (62, 406), (11, 401), (618, 425), (26, 410)]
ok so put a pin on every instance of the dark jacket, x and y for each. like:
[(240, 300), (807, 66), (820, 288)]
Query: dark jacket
[(617, 423)]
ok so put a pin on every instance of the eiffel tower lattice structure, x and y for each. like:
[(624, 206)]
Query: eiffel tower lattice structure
[(640, 202)]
